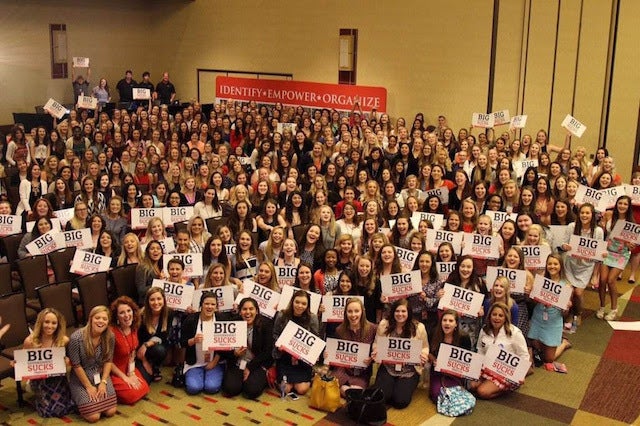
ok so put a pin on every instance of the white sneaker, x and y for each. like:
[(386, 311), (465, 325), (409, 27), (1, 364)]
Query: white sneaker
[(612, 315), (600, 313)]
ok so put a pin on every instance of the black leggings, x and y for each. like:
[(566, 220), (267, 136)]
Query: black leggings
[(397, 390), (252, 388)]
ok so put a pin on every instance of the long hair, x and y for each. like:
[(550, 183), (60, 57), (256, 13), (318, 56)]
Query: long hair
[(125, 300), (488, 328), (433, 271), (577, 229), (616, 214), (306, 315), (475, 282), (257, 322), (395, 265), (363, 329), (409, 328), (559, 259), (206, 252), (520, 254), (366, 285), (438, 334), (58, 335), (209, 274), (107, 338), (122, 259), (147, 318)]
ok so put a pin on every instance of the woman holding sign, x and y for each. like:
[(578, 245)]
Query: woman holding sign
[(155, 325), (297, 373), (52, 394), (90, 350), (398, 381), (425, 304)]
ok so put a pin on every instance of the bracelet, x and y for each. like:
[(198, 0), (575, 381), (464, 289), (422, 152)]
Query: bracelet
[(104, 381)]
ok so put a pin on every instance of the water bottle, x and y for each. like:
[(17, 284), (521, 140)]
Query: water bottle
[(574, 324), (283, 387)]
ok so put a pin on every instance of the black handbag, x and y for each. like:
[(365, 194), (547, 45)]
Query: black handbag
[(178, 376), (367, 406)]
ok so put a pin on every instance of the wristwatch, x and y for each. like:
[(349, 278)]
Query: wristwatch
[(104, 381)]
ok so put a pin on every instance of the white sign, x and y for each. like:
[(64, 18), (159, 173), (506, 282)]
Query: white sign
[(633, 191), (442, 193), (40, 363), (398, 286), (286, 275), (140, 217), (445, 269), (347, 354), (574, 126), (141, 94), (481, 246), (498, 218), (436, 237), (287, 293), (46, 243), (407, 258), (80, 238), (300, 343), (585, 194), (55, 108), (610, 197), (267, 299), (291, 126), (178, 296), (459, 362), (10, 224), (506, 365), (87, 102), (225, 296), (522, 165), (334, 307), (192, 263), (465, 302), (627, 232), (486, 121), (517, 278), (551, 293), (80, 62), (398, 350), (535, 257), (436, 219), (64, 216), (85, 263), (168, 246), (225, 335), (171, 215), (518, 122), (501, 117), (587, 248)]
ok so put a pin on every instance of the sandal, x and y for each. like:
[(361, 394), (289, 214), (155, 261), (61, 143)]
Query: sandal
[(157, 378), (568, 345)]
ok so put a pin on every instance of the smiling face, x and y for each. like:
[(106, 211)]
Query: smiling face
[(466, 269), (401, 315), (125, 315), (49, 324), (448, 324), (99, 322), (248, 312), (497, 318), (299, 305)]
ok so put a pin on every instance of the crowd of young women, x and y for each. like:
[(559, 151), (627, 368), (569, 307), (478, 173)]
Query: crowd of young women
[(333, 196)]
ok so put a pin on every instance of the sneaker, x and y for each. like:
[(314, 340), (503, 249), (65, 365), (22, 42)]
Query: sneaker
[(600, 313), (612, 315)]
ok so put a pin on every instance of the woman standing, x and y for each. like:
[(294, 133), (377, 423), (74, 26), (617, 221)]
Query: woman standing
[(425, 304), (31, 189)]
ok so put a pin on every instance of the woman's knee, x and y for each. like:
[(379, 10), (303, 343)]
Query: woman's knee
[(400, 401), (302, 388), (92, 418), (111, 412)]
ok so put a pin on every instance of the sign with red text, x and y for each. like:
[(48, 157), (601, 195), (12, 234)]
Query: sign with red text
[(287, 293), (267, 299), (347, 354), (286, 275), (485, 121), (436, 219), (192, 263), (506, 365), (587, 248), (627, 232), (398, 350), (171, 215), (40, 363), (85, 263), (407, 258), (550, 292), (518, 122), (87, 102), (633, 191), (517, 278), (55, 108), (292, 127), (179, 296), (225, 295), (399, 286), (445, 269), (501, 117), (224, 335), (585, 194), (575, 127), (498, 218), (465, 302), (304, 93), (140, 217), (141, 94), (10, 224), (46, 243), (459, 362), (334, 307), (300, 343), (79, 238), (64, 216), (481, 246), (535, 257), (435, 237)]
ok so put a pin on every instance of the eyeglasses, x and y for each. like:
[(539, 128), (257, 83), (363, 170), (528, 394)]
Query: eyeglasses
[(82, 210)]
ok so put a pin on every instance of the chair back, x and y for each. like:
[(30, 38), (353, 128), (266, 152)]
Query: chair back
[(213, 223), (61, 263), (299, 231), (5, 279), (12, 309), (59, 297), (180, 226), (93, 291), (33, 273), (123, 279), (11, 243)]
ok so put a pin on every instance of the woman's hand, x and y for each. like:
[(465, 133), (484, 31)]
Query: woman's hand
[(92, 391), (245, 374), (101, 392), (133, 382), (321, 309), (198, 338), (481, 312), (440, 293), (424, 358), (240, 352), (212, 364)]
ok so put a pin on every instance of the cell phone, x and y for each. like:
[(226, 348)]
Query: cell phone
[(294, 396)]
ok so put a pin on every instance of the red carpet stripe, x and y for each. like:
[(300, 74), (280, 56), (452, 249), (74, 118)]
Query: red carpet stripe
[(222, 413), (193, 416), (246, 410), (208, 398), (195, 407)]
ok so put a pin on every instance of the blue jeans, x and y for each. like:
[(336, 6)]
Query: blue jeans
[(198, 379)]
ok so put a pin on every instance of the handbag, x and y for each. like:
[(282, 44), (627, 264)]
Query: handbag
[(366, 406), (178, 376), (325, 393), (455, 401)]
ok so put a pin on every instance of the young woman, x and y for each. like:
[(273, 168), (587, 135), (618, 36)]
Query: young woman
[(198, 235), (400, 233), (544, 200), (330, 230), (267, 276), (209, 206), (80, 216), (128, 381), (425, 305), (149, 269), (388, 261), (398, 384), (90, 195), (108, 246), (90, 350), (268, 220), (311, 249), (501, 292), (346, 252), (244, 261), (131, 252), (31, 189), (326, 278), (153, 334)]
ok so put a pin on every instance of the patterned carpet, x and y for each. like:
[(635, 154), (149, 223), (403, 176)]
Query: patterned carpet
[(601, 388)]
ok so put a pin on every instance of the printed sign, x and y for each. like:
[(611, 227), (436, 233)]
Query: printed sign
[(481, 246), (192, 263), (64, 216), (587, 248), (10, 224), (442, 193), (585, 194), (85, 263), (407, 258), (40, 363), (307, 94), (141, 94), (225, 335), (347, 354), (290, 126), (178, 296), (535, 257), (436, 219), (80, 62), (465, 302), (633, 191), (171, 215), (436, 237), (230, 249), (610, 196), (498, 218), (398, 350), (334, 307), (267, 299), (573, 125), (287, 293), (300, 343), (46, 243), (501, 117), (225, 296), (459, 362), (55, 108), (627, 232), (518, 122), (445, 269), (517, 278), (506, 365), (80, 238), (398, 286), (522, 165), (87, 102), (140, 217), (551, 293), (286, 275), (486, 121)]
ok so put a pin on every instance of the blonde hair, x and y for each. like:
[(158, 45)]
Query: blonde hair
[(123, 254), (506, 285), (107, 338), (59, 337)]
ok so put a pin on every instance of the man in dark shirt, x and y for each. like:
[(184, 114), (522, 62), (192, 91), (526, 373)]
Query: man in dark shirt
[(165, 90), (125, 87), (80, 85), (146, 82)]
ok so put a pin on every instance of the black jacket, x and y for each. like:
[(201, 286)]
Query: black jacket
[(190, 329)]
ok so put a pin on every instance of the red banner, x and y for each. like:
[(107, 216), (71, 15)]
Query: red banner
[(303, 93)]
